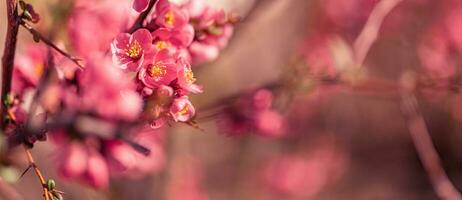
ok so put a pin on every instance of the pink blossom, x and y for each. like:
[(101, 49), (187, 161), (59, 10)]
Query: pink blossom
[(186, 78), (165, 38), (160, 69), (182, 110), (170, 15), (129, 51)]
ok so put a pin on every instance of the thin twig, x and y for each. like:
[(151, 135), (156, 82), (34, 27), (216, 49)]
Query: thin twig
[(139, 21), (426, 151), (39, 36), (8, 56), (38, 173), (370, 31)]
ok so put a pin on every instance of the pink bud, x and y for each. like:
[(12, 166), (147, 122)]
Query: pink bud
[(269, 123), (182, 110)]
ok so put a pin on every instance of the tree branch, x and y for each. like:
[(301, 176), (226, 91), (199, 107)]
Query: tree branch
[(40, 37), (426, 151), (8, 56), (38, 173), (371, 29)]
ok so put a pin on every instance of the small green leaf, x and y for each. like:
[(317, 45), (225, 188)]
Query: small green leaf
[(51, 184)]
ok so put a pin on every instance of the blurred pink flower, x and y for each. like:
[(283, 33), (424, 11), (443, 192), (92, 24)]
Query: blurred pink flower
[(213, 31), (124, 160), (89, 15), (129, 51), (318, 54), (28, 68), (435, 54), (186, 181), (252, 113), (304, 176), (78, 160), (269, 123), (109, 92)]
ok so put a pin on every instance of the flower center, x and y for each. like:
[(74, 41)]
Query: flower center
[(184, 110), (189, 76), (169, 18), (161, 45), (134, 50), (38, 69), (157, 70)]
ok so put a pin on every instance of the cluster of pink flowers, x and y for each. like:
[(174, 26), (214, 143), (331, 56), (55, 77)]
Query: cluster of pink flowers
[(106, 118), (162, 52)]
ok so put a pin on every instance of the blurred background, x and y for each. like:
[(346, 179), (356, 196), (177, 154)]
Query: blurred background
[(336, 142)]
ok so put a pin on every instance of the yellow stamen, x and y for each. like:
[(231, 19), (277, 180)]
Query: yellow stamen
[(161, 45), (189, 76), (169, 18), (38, 69), (134, 50), (157, 70), (184, 110)]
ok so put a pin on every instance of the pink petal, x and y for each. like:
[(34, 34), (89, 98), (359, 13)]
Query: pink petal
[(140, 5)]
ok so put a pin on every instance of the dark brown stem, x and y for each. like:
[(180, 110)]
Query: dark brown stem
[(8, 55), (426, 151), (139, 21), (48, 42)]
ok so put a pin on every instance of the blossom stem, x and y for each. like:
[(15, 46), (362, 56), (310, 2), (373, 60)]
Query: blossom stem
[(370, 32), (48, 42), (8, 56), (139, 21), (38, 173), (426, 150)]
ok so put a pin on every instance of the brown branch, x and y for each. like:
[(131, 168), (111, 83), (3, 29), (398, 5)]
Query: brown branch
[(38, 36), (370, 31), (426, 151), (139, 21), (8, 56), (38, 173)]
